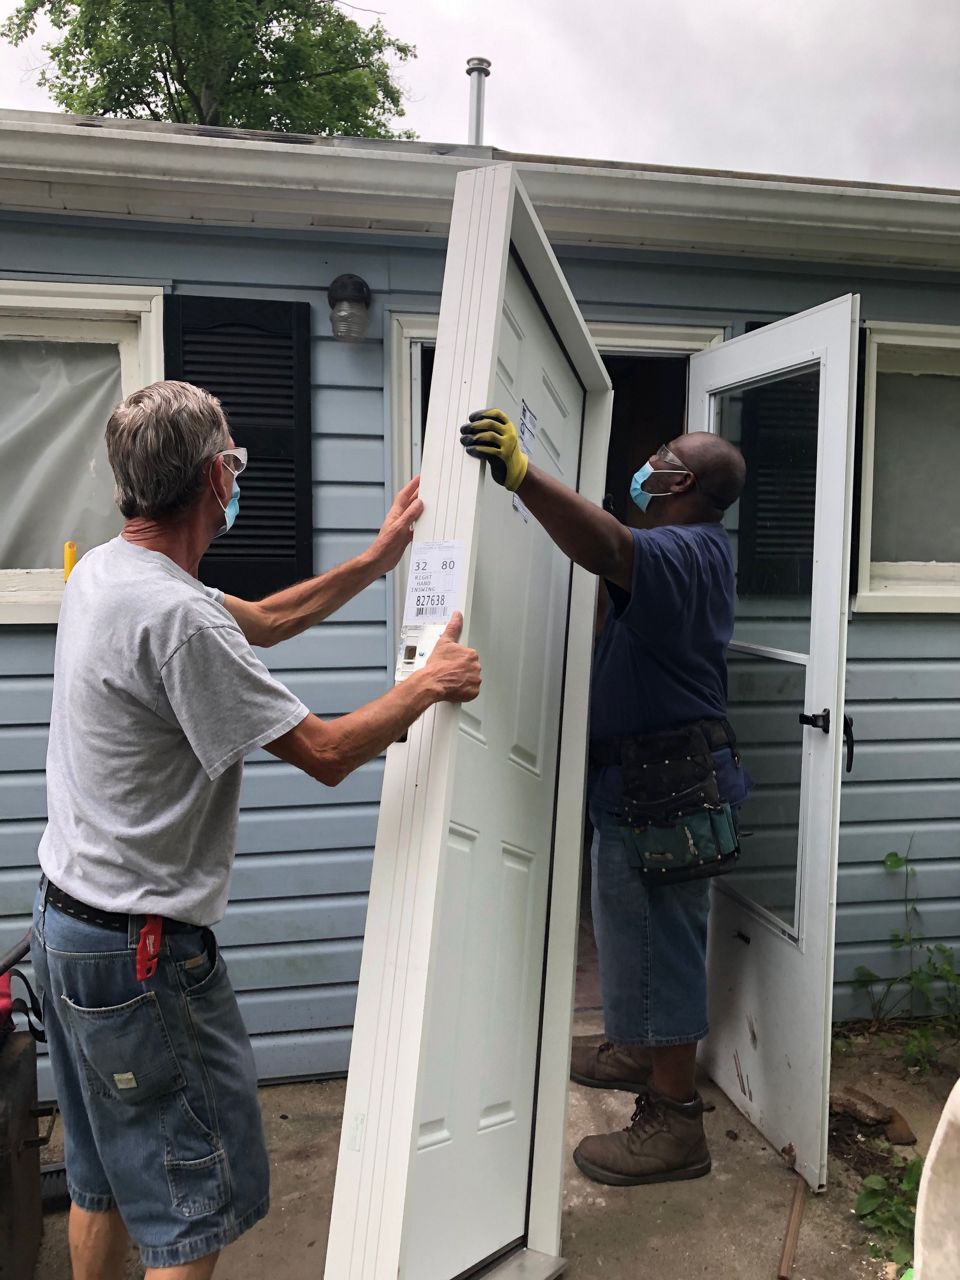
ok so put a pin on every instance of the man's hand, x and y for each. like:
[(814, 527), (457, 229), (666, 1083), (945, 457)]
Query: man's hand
[(453, 669), (490, 434), (396, 532), (330, 750)]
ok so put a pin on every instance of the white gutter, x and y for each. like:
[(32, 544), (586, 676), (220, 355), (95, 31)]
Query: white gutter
[(51, 163)]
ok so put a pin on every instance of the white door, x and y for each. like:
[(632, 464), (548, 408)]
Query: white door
[(786, 395), (452, 1146)]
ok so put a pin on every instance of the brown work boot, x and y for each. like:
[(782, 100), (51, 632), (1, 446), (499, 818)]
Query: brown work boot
[(663, 1143), (601, 1064)]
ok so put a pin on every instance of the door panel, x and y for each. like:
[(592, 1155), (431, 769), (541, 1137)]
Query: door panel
[(472, 917), (785, 395), (475, 1108)]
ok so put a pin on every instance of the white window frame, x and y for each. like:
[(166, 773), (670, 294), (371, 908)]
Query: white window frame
[(41, 310), (899, 586), (408, 330)]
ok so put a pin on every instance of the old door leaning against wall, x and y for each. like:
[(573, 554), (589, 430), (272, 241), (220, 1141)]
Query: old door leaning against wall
[(451, 1153), (786, 394)]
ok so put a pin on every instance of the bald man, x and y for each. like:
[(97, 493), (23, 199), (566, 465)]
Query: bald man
[(659, 696)]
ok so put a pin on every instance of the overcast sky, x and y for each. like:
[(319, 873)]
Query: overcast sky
[(865, 89)]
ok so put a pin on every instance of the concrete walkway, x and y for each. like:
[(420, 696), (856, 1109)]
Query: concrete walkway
[(728, 1225)]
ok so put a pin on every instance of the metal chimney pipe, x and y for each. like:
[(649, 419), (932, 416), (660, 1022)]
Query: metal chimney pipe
[(477, 69)]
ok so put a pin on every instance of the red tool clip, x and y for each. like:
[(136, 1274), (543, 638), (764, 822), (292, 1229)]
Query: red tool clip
[(148, 948)]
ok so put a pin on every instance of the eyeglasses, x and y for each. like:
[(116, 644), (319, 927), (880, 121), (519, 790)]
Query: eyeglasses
[(671, 462), (235, 460), (666, 455)]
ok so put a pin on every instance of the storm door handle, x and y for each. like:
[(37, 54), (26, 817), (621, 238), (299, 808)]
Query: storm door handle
[(849, 740)]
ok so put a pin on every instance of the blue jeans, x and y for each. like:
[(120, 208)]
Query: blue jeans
[(156, 1084), (652, 946)]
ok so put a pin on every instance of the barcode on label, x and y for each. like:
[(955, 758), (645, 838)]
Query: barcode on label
[(430, 613)]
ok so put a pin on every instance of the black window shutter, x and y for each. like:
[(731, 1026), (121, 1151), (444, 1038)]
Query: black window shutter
[(254, 356), (779, 442)]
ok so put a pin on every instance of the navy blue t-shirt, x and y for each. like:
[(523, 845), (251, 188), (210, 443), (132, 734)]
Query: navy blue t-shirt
[(661, 659)]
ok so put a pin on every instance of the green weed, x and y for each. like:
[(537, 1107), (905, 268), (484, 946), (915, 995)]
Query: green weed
[(887, 1207), (930, 987)]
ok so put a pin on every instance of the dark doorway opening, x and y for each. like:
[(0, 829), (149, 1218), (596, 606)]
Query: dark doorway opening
[(649, 409)]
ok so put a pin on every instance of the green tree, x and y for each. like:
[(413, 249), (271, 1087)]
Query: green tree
[(303, 67)]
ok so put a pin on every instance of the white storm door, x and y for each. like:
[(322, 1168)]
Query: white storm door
[(786, 395), (441, 1169)]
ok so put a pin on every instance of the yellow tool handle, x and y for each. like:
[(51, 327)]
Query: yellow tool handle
[(69, 559)]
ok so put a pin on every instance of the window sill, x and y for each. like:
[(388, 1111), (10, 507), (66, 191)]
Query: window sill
[(30, 596), (937, 590)]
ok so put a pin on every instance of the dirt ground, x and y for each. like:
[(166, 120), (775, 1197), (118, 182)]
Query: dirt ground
[(728, 1225)]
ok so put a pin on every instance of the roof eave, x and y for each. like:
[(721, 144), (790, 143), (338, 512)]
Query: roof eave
[(58, 165)]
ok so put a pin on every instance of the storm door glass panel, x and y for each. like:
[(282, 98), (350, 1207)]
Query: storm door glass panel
[(55, 481), (775, 424), (766, 699)]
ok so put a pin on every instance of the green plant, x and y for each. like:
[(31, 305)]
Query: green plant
[(919, 1049), (887, 995), (888, 1207), (941, 966), (931, 981)]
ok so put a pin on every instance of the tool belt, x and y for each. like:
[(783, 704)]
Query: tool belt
[(681, 827)]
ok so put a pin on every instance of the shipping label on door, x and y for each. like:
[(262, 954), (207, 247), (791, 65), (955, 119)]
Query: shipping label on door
[(527, 433), (434, 593)]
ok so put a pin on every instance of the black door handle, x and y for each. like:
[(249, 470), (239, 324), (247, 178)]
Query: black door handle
[(849, 740), (821, 721)]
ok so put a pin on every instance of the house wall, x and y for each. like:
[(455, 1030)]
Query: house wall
[(292, 933)]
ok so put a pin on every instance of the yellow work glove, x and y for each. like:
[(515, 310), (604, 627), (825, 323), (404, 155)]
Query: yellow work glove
[(490, 434)]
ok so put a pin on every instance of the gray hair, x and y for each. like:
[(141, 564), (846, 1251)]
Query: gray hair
[(158, 440)]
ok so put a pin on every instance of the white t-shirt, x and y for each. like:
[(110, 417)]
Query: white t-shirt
[(157, 697)]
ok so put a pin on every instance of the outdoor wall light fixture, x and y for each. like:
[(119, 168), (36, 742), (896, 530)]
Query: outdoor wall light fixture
[(349, 298)]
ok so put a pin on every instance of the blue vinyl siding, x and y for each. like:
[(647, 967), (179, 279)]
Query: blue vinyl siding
[(293, 931)]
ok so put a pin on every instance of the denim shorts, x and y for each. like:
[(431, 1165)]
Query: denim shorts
[(156, 1085), (652, 945)]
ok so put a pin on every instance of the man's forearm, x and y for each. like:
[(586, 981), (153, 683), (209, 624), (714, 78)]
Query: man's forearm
[(330, 750), (590, 536), (286, 613), (363, 734)]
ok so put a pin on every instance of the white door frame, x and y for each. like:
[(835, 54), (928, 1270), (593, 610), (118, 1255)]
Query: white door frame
[(825, 337), (379, 1112)]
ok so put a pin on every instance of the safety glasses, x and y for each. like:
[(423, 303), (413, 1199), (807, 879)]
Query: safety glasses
[(235, 460), (666, 455), (671, 462)]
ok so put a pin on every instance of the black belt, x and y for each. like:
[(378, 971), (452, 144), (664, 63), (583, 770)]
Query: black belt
[(718, 733), (116, 920)]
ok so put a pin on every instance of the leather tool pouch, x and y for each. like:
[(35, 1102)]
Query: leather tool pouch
[(681, 828)]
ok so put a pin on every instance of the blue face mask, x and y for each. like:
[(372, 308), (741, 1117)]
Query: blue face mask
[(231, 510), (637, 491)]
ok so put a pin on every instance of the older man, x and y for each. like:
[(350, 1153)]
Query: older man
[(664, 780), (158, 697)]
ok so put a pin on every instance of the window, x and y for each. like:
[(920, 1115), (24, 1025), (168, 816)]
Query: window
[(910, 520), (68, 353), (413, 340)]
